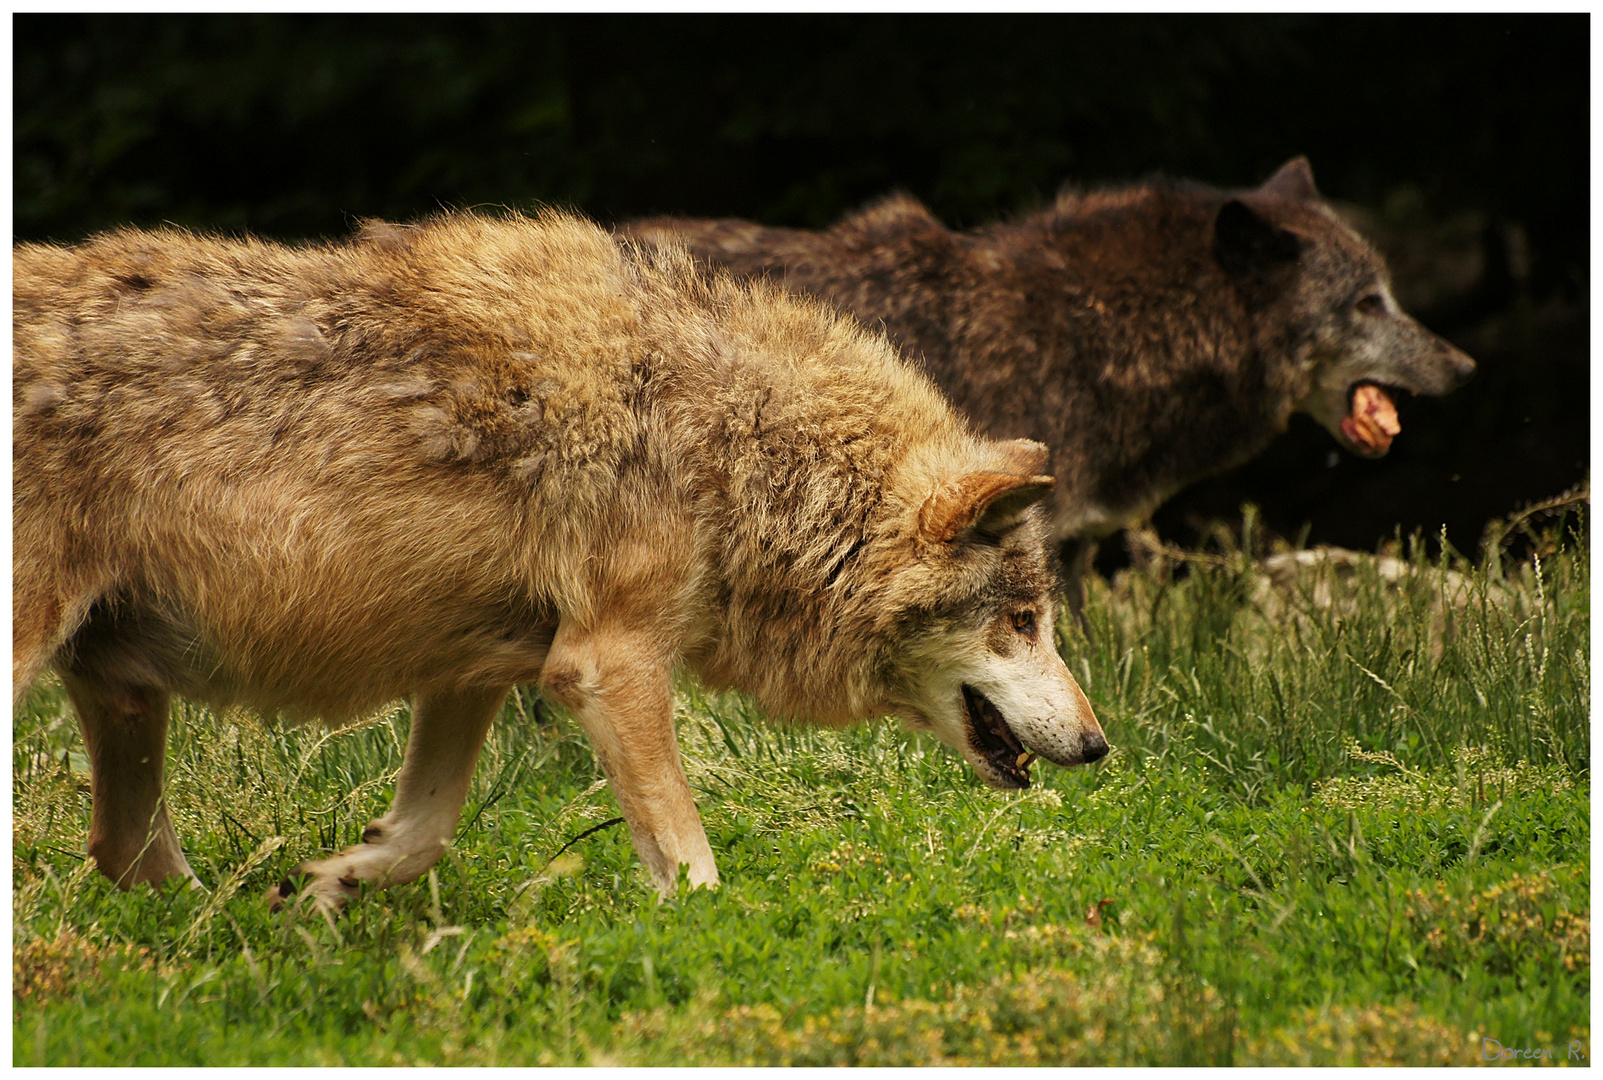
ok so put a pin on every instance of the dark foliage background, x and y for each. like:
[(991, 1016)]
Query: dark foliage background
[(1462, 140)]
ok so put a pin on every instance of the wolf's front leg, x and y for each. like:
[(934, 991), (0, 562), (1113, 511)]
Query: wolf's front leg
[(618, 683), (448, 730)]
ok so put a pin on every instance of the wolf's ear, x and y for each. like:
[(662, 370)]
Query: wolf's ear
[(1026, 457), (1256, 252), (980, 505), (1294, 180)]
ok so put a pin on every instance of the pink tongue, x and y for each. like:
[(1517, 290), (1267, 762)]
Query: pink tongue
[(1373, 422)]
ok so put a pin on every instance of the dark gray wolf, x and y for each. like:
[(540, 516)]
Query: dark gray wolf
[(1149, 335)]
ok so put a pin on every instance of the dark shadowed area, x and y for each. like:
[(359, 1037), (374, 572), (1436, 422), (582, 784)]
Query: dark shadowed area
[(1458, 144)]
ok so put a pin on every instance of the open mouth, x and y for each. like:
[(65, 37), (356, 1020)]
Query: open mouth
[(1371, 421), (994, 741)]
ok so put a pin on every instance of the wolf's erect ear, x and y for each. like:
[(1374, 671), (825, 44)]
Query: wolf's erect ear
[(1026, 457), (980, 505), (1255, 252), (1294, 180)]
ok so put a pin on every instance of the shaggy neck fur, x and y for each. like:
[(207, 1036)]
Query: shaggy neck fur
[(821, 445)]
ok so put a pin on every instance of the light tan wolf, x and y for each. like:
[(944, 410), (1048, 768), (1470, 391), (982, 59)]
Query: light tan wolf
[(444, 459)]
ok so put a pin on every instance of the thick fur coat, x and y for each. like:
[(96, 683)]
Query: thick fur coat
[(444, 459)]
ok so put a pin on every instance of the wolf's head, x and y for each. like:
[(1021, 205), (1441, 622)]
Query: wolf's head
[(1316, 285), (972, 615)]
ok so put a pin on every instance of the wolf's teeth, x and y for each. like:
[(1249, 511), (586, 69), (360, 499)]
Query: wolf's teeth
[(1025, 759)]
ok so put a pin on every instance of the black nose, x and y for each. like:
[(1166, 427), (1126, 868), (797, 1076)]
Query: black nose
[(1096, 748), (1462, 367)]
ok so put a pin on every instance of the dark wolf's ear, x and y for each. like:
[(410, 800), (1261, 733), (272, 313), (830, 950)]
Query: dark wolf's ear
[(1256, 253), (1245, 243), (1294, 180), (980, 505)]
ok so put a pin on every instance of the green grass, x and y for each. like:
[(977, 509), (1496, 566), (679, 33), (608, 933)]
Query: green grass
[(1353, 831)]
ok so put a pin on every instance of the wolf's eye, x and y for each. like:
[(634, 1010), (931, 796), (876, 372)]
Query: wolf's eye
[(1024, 623), (1373, 304)]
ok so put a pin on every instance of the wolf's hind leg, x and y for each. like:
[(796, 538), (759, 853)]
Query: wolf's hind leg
[(618, 685), (45, 610), (35, 631), (448, 730), (131, 837)]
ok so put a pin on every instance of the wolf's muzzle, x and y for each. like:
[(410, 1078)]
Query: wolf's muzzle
[(1459, 364)]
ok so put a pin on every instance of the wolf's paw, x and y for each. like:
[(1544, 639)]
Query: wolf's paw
[(389, 854), (330, 893)]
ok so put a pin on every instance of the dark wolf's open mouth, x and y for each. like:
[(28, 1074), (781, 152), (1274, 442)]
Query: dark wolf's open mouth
[(990, 736), (1371, 422)]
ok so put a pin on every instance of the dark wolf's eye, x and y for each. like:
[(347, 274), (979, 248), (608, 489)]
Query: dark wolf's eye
[(1024, 623), (1373, 304)]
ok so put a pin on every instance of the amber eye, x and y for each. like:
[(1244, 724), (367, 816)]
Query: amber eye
[(1373, 304), (1024, 623)]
